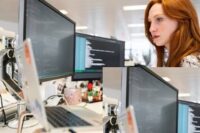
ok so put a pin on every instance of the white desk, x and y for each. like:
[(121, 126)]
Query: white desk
[(25, 130), (96, 107)]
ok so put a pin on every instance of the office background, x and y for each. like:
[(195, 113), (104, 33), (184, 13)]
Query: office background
[(102, 18)]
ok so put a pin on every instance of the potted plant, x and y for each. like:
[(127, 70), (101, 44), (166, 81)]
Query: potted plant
[(90, 91), (96, 95)]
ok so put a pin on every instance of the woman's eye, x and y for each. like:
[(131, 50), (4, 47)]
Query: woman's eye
[(159, 19)]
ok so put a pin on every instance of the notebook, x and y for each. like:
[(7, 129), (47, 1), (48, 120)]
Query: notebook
[(93, 121)]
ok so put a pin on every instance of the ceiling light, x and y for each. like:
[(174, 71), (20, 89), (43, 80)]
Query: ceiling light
[(64, 12), (184, 94), (166, 79), (135, 7), (137, 34), (81, 27), (135, 25)]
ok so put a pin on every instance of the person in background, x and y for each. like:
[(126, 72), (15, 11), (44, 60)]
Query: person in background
[(172, 26)]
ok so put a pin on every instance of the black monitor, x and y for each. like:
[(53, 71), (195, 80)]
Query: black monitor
[(188, 117), (92, 53), (155, 101), (52, 35)]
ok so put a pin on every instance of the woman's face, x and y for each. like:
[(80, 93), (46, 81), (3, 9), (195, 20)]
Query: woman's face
[(161, 26)]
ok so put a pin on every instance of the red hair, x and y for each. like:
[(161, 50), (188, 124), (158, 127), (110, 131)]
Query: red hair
[(186, 39)]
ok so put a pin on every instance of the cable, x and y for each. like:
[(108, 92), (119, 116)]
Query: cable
[(23, 122), (3, 111), (52, 96)]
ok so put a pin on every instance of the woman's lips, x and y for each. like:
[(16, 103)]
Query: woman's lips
[(156, 37)]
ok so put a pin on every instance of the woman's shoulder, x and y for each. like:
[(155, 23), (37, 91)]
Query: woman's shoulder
[(192, 60)]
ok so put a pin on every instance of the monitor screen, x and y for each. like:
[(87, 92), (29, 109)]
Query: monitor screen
[(154, 101), (92, 53), (188, 117), (53, 37)]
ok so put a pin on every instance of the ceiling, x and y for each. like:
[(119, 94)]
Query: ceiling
[(103, 17)]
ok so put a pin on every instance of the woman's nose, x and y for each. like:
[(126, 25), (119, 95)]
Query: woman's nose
[(152, 28)]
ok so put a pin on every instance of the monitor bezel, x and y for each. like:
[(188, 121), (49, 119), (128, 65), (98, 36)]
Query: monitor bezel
[(43, 79), (189, 103), (157, 77), (98, 75)]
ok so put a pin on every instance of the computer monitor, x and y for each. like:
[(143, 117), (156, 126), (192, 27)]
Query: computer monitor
[(52, 35), (188, 117), (92, 53), (155, 101)]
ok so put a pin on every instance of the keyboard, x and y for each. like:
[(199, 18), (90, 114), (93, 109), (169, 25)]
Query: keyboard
[(60, 117)]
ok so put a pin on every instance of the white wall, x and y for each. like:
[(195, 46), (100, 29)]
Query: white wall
[(9, 26)]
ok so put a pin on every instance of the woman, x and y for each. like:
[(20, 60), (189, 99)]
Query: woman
[(173, 26)]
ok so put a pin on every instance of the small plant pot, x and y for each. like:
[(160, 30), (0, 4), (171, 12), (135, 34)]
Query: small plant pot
[(90, 98)]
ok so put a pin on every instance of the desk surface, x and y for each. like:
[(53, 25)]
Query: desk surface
[(96, 107)]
